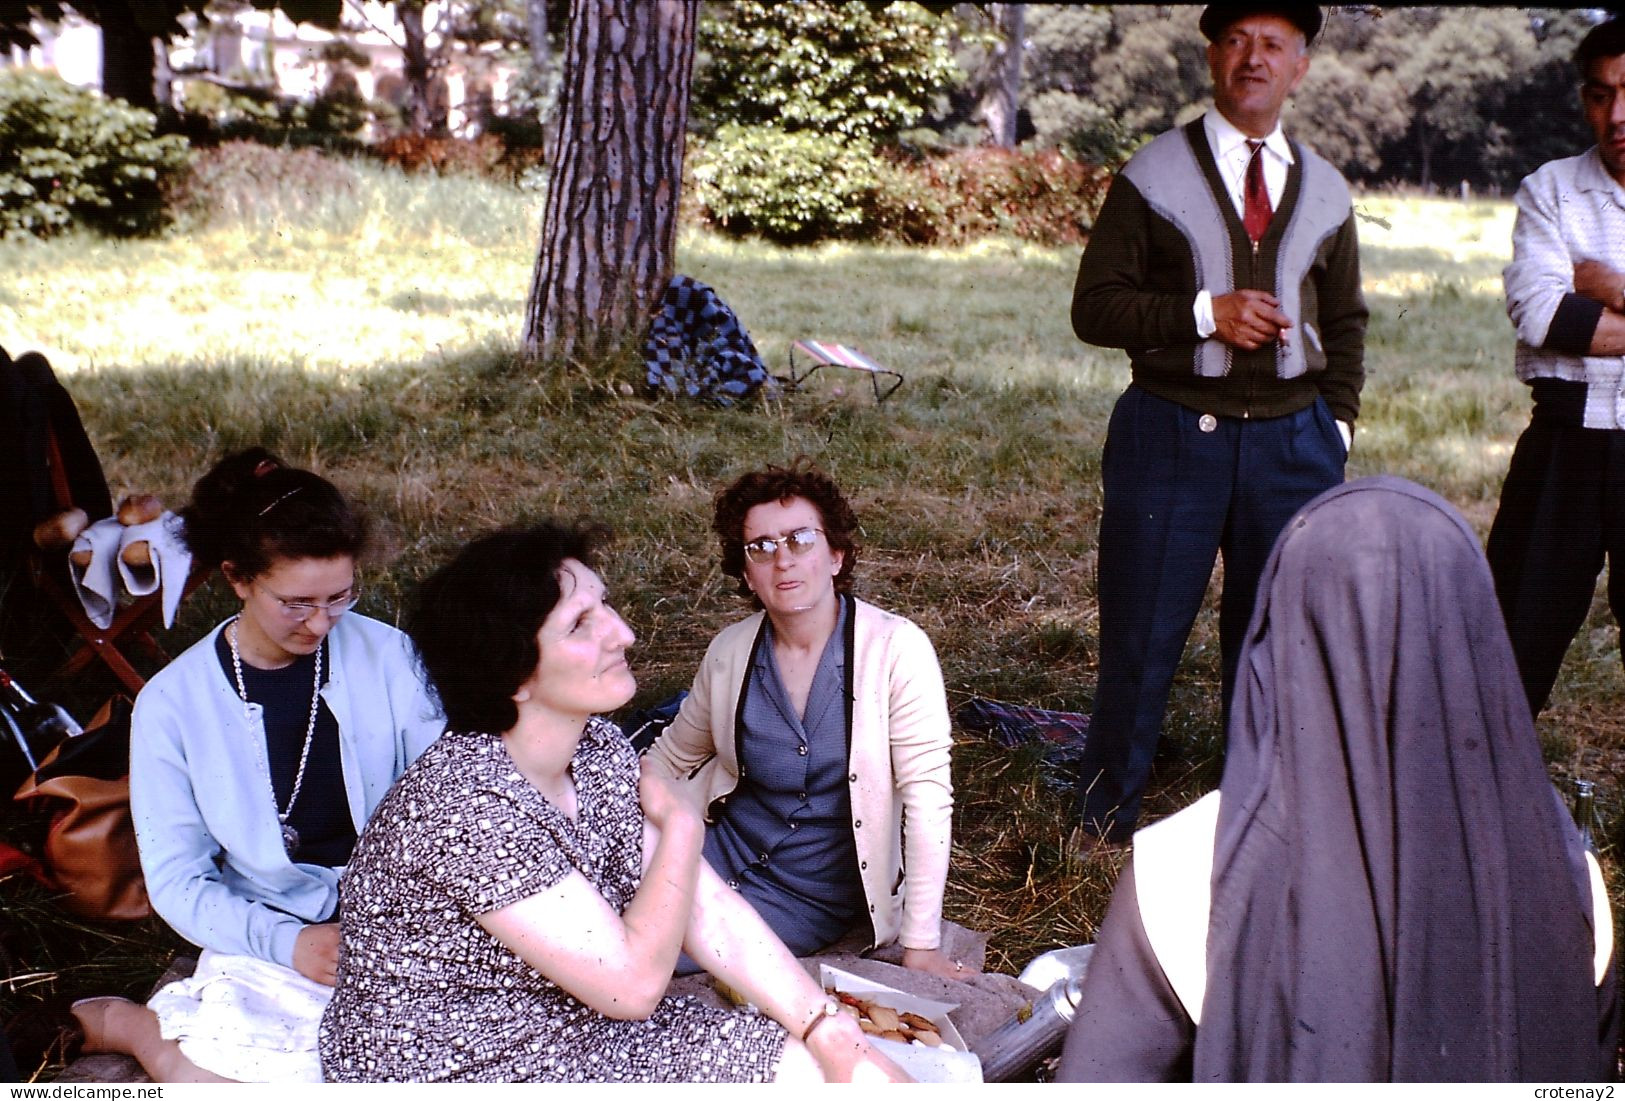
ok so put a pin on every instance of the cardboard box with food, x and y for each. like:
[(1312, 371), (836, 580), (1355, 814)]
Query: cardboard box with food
[(913, 1032)]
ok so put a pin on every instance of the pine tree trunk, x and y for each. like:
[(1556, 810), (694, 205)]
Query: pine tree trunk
[(610, 226)]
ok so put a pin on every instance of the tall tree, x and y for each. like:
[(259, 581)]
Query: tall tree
[(610, 225), (420, 64), (1001, 104), (132, 29)]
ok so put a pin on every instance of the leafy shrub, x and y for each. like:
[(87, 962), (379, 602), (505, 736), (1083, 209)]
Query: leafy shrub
[(210, 114), (824, 66), (786, 187), (69, 156), (1042, 196), (245, 182)]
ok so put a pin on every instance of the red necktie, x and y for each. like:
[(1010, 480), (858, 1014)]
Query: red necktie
[(1257, 212)]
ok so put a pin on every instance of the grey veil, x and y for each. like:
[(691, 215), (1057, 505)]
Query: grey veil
[(1397, 893)]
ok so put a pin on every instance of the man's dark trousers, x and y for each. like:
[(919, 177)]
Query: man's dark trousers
[(1175, 497), (1562, 511)]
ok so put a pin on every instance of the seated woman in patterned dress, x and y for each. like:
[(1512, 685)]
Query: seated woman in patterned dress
[(515, 907)]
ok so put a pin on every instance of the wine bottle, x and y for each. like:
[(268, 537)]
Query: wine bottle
[(41, 726), (1585, 811)]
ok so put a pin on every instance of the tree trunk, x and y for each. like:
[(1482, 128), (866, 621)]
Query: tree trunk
[(536, 24), (1015, 30), (127, 58), (1001, 101), (610, 226), (416, 67)]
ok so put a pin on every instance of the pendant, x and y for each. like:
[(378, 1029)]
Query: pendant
[(290, 838)]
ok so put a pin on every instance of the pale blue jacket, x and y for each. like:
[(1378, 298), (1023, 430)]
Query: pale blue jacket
[(200, 793)]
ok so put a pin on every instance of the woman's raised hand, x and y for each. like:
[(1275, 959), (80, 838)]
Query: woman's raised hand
[(663, 805)]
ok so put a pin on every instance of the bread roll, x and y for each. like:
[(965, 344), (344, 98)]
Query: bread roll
[(138, 555), (60, 530), (139, 508)]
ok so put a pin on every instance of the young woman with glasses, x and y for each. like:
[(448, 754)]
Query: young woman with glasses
[(817, 734), (256, 756)]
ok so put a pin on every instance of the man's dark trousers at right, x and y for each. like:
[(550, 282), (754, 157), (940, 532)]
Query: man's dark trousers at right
[(1562, 513)]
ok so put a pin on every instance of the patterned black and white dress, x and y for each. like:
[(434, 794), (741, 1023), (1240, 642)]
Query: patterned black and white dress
[(426, 994)]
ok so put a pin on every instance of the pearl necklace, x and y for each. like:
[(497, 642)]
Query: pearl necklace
[(290, 836)]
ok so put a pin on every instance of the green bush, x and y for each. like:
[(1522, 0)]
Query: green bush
[(332, 120), (786, 187), (69, 156)]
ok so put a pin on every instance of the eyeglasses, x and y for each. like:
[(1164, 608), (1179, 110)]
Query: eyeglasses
[(297, 611), (766, 548)]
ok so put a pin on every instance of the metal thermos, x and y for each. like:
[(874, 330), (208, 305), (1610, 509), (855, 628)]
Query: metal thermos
[(1032, 1035)]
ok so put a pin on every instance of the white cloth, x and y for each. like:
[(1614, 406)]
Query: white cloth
[(1569, 210), (245, 1019), (97, 583), (171, 562)]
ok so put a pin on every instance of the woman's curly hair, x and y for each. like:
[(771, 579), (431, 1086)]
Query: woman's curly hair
[(781, 483)]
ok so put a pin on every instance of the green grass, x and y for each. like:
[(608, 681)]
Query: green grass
[(374, 340)]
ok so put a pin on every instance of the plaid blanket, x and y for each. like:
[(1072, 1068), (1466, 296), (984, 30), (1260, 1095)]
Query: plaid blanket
[(697, 347), (1059, 735)]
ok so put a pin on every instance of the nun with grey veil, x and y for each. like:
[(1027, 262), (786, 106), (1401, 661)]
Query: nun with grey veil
[(1387, 886)]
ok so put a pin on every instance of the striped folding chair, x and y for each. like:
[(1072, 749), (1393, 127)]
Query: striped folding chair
[(817, 354)]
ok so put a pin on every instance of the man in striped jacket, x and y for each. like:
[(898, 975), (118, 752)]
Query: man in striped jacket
[(1563, 503)]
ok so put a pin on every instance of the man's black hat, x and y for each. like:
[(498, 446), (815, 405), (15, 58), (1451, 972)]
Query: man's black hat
[(1217, 18)]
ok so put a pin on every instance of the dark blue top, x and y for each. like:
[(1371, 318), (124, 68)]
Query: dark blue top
[(321, 814), (783, 838)]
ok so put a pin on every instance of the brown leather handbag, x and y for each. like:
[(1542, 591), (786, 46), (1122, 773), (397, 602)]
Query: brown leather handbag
[(83, 787)]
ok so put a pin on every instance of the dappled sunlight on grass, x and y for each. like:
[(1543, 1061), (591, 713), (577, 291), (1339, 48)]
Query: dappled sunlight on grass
[(1475, 230), (313, 302)]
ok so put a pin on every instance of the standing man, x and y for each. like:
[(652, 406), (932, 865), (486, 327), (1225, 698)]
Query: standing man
[(1224, 259), (1563, 503)]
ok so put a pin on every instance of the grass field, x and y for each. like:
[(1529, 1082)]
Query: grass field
[(374, 341)]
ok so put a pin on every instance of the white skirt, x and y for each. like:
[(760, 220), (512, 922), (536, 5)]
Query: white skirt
[(245, 1019)]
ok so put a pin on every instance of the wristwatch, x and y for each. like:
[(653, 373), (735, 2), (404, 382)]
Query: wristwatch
[(829, 1009)]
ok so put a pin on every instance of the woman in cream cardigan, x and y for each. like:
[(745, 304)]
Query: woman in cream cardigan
[(817, 735)]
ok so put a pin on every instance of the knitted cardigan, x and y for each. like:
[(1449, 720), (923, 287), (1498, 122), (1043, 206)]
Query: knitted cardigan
[(1168, 229)]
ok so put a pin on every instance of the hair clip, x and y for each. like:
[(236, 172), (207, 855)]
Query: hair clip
[(265, 467), (279, 500)]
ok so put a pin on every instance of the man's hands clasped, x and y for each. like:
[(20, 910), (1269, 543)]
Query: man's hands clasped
[(1249, 319)]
